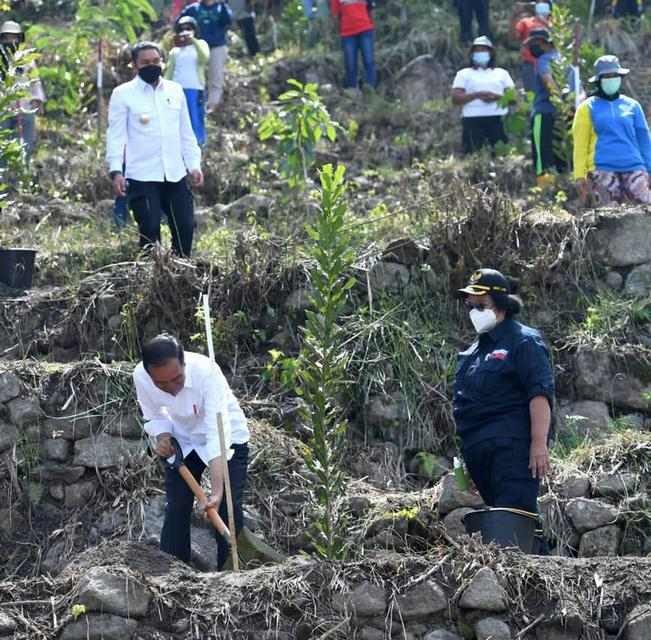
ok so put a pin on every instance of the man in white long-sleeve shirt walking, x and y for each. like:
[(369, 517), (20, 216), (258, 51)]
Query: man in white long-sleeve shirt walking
[(150, 132), (180, 394)]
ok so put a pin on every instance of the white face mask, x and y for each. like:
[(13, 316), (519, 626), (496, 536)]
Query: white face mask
[(483, 321)]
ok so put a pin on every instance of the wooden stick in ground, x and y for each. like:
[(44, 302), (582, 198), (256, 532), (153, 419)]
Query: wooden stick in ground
[(229, 495), (200, 495)]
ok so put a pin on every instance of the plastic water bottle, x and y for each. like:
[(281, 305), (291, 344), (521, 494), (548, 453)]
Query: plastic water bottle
[(460, 474)]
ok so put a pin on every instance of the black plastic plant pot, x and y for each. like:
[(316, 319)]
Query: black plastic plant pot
[(504, 527), (17, 267)]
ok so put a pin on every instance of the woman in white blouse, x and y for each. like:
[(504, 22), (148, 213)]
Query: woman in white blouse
[(477, 89)]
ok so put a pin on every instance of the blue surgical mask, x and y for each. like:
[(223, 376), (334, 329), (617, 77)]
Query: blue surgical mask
[(481, 58), (611, 86), (543, 9)]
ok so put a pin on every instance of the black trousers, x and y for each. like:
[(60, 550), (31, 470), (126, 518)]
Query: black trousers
[(544, 144), (499, 467), (483, 131), (175, 536), (247, 26), (466, 10), (150, 200)]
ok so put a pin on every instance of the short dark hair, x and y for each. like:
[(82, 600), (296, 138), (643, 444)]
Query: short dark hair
[(161, 349), (143, 46)]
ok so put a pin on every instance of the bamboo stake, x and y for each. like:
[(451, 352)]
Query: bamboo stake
[(229, 495), (222, 445)]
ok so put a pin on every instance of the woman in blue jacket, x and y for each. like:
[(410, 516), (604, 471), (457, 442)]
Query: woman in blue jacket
[(612, 145)]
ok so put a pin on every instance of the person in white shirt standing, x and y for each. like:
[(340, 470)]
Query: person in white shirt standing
[(180, 394), (187, 65), (150, 131), (478, 89)]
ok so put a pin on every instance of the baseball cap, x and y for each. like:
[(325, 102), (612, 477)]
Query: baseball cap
[(486, 281)]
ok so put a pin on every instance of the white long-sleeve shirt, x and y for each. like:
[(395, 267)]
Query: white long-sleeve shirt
[(152, 126), (191, 415)]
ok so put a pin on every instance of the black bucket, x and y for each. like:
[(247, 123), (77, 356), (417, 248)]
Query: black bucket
[(504, 527), (17, 267)]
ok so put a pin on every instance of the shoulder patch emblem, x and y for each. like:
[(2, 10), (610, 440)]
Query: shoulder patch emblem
[(498, 354)]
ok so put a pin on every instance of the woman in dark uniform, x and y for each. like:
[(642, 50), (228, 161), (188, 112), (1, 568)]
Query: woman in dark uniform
[(503, 395)]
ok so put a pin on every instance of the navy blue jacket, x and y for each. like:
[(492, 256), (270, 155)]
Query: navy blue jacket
[(495, 380), (213, 21)]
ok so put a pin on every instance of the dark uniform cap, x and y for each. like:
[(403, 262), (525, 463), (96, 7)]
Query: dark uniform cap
[(486, 281)]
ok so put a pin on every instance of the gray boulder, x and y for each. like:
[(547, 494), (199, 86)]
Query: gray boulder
[(8, 435), (250, 203), (367, 600), (403, 251), (603, 376), (484, 593), (441, 634), (600, 542), (123, 425), (108, 305), (614, 280), (24, 411), (387, 413), (57, 449), (423, 600), (57, 472), (71, 428), (100, 627), (584, 418), (638, 625), (574, 487), (616, 485), (79, 493), (586, 515), (105, 592), (203, 549), (453, 522), (621, 237), (638, 281), (451, 497), (420, 81), (7, 624), (10, 386), (388, 277), (492, 629), (105, 451), (555, 631)]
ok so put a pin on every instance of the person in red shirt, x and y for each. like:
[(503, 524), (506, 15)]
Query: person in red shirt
[(522, 24), (357, 33)]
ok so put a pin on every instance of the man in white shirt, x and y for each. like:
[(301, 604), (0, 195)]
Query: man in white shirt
[(150, 130), (180, 394)]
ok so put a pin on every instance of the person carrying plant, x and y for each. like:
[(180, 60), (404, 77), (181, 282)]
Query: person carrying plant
[(180, 394), (481, 11), (544, 135), (213, 18), (478, 88), (612, 145), (150, 133), (357, 32), (23, 121), (522, 24), (186, 65), (503, 396)]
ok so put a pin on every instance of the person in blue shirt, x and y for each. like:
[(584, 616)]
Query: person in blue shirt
[(503, 396), (612, 144), (213, 18), (545, 153)]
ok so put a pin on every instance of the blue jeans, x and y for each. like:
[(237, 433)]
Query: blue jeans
[(196, 109), (121, 212), (363, 43)]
